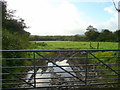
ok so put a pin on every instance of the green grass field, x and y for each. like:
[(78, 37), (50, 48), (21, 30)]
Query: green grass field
[(49, 45)]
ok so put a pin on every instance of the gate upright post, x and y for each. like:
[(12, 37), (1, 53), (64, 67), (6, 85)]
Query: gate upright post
[(86, 70), (34, 70)]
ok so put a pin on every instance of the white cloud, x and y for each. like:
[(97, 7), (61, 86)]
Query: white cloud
[(93, 0), (47, 18), (61, 17), (112, 23)]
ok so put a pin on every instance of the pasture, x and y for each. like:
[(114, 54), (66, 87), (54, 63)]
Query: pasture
[(51, 45)]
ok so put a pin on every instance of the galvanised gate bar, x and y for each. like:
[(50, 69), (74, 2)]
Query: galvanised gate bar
[(64, 68)]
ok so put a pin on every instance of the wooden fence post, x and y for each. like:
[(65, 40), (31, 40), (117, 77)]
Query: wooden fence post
[(98, 45)]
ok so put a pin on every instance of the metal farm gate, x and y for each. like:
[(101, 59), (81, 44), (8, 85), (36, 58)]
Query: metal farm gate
[(63, 68)]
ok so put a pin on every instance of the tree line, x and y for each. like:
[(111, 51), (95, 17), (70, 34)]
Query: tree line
[(91, 34), (57, 38)]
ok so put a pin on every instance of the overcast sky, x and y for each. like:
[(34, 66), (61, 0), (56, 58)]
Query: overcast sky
[(65, 17)]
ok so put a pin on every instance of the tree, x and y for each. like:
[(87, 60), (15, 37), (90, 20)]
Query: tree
[(106, 35), (14, 37), (91, 33), (117, 35), (13, 33)]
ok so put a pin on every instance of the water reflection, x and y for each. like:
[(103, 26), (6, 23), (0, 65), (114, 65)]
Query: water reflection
[(48, 75)]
